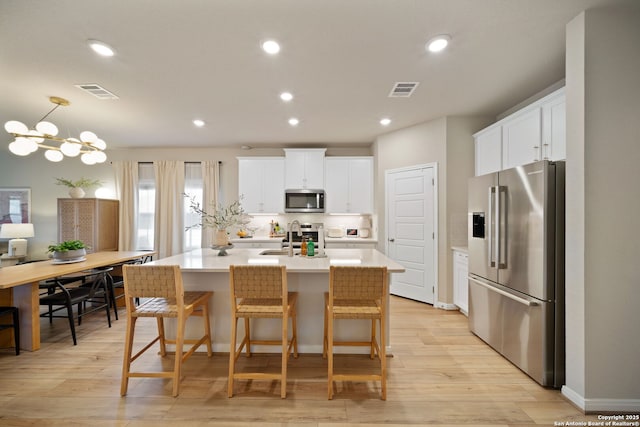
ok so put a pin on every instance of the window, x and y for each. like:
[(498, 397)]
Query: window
[(193, 186), (146, 206)]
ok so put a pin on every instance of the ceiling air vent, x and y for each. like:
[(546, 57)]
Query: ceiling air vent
[(403, 89), (97, 91)]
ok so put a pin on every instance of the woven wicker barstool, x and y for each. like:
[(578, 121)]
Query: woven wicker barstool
[(356, 293), (162, 295), (261, 292)]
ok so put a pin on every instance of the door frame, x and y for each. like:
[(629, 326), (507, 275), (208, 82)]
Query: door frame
[(436, 219)]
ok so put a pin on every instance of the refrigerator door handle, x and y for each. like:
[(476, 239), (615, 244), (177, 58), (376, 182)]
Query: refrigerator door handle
[(501, 226), (490, 246), (504, 293)]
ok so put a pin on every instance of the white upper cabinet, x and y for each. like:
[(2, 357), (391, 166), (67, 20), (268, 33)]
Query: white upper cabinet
[(554, 131), (521, 139), (304, 168), (261, 184), (536, 132), (488, 150), (348, 184)]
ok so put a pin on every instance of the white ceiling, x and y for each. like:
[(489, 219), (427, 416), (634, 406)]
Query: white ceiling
[(180, 60)]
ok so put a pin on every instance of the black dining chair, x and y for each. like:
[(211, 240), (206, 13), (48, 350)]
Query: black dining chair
[(15, 324), (116, 281), (62, 295)]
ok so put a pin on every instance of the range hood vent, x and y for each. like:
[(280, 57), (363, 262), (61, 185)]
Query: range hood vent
[(97, 91), (403, 89)]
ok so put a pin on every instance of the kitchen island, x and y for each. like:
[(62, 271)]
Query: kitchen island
[(204, 270)]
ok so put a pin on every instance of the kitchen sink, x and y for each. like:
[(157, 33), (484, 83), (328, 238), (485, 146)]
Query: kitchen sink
[(277, 252)]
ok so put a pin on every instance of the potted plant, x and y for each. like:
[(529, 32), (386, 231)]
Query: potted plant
[(221, 218), (68, 250), (77, 187)]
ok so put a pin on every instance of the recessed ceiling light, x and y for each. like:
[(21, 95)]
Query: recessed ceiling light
[(385, 122), (101, 48), (438, 43), (271, 47), (286, 96), (198, 122), (293, 121)]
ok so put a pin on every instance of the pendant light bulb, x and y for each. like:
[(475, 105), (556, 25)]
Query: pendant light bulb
[(53, 155), (88, 159), (88, 136), (14, 126), (19, 149), (47, 128)]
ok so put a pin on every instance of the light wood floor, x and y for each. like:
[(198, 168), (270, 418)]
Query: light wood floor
[(440, 374)]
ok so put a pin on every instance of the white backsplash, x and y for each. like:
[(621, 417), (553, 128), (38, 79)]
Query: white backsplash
[(263, 222)]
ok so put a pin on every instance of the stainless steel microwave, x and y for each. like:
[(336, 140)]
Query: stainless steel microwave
[(307, 201)]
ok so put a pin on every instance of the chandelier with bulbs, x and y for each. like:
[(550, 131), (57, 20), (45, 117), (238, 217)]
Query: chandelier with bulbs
[(89, 147)]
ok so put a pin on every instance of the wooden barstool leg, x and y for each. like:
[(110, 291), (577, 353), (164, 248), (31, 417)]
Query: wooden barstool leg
[(285, 356), (163, 345), (330, 355), (177, 367), (373, 339), (247, 336), (128, 349), (324, 334), (383, 358), (294, 335), (207, 328), (232, 355)]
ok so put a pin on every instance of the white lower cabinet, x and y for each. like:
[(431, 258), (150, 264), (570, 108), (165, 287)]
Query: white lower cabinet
[(460, 281)]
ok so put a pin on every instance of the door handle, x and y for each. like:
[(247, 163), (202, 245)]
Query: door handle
[(504, 293), (501, 227), (490, 218), (392, 240)]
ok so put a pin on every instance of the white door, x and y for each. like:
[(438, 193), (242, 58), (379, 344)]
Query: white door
[(411, 230)]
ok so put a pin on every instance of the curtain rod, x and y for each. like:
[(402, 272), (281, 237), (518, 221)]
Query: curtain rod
[(150, 163)]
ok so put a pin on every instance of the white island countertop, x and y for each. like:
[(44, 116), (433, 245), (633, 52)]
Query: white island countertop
[(204, 270), (207, 260)]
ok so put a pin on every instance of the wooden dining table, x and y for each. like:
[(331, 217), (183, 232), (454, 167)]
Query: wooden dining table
[(19, 286)]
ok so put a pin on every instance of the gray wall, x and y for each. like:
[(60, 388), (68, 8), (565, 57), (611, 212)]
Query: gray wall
[(603, 199), (39, 174), (449, 143)]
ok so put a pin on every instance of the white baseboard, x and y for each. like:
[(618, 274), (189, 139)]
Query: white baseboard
[(601, 405)]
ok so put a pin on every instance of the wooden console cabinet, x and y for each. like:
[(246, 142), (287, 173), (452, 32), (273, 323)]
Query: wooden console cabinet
[(93, 221)]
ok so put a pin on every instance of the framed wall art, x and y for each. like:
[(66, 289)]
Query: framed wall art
[(15, 205)]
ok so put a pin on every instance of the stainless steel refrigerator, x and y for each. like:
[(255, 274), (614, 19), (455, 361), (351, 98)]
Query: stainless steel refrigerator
[(516, 266)]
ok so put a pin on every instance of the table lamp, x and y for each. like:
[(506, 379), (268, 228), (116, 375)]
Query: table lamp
[(17, 234)]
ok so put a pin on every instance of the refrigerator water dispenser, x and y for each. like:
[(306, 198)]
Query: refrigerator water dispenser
[(478, 225)]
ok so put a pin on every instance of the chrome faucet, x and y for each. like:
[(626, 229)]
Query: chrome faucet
[(290, 227)]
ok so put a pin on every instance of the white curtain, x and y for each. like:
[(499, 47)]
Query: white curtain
[(210, 187), (126, 174), (169, 222)]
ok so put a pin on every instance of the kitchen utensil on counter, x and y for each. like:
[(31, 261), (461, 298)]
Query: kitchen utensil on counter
[(335, 232)]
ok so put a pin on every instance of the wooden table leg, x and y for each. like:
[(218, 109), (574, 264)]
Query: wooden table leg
[(6, 336), (27, 299)]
